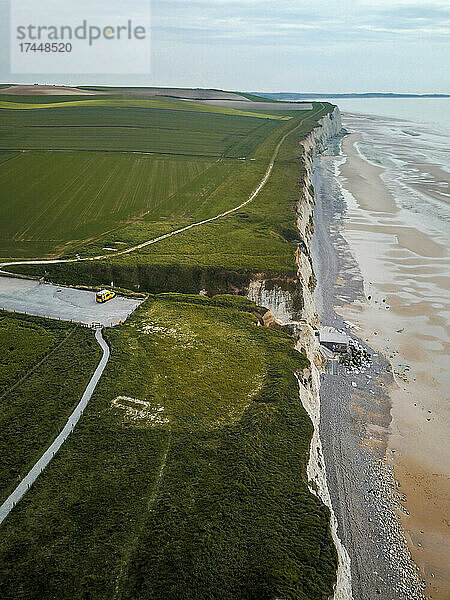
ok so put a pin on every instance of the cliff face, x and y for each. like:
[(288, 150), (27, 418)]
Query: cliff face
[(313, 145), (293, 301), (282, 296)]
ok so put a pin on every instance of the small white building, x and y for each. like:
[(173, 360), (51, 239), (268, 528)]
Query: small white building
[(332, 340)]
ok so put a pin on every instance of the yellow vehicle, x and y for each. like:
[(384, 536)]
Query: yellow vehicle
[(104, 295)]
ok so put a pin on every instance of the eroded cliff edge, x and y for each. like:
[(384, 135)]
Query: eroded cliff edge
[(291, 299)]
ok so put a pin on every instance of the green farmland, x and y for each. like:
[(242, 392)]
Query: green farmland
[(136, 130), (184, 479), (69, 175), (23, 103), (218, 256), (97, 192)]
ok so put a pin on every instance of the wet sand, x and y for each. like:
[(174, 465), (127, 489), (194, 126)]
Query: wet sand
[(366, 182), (404, 315)]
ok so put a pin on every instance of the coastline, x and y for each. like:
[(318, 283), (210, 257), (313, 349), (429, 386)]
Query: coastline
[(356, 425), (355, 416), (309, 387)]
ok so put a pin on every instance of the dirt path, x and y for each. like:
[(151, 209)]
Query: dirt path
[(176, 231), (131, 549), (40, 465)]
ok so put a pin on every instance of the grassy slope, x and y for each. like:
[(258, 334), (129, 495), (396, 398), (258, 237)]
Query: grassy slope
[(7, 155), (34, 412), (200, 494), (24, 343)]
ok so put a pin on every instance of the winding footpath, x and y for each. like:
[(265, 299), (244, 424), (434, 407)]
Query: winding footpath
[(37, 469), (171, 233)]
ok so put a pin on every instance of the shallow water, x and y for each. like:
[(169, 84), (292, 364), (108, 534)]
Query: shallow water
[(408, 241)]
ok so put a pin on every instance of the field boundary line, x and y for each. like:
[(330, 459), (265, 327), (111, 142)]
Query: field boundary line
[(176, 231), (40, 363), (75, 416)]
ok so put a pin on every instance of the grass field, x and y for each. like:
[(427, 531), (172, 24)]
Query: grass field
[(24, 342), (80, 171), (44, 367), (184, 478), (259, 238), (153, 103), (7, 155), (153, 131), (129, 116), (98, 192)]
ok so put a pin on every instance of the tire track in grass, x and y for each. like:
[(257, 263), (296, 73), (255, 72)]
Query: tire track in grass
[(36, 366), (125, 563)]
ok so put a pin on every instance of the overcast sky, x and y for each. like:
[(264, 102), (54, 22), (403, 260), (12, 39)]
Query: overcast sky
[(290, 45)]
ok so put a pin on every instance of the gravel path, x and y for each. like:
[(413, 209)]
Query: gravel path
[(362, 488), (37, 469)]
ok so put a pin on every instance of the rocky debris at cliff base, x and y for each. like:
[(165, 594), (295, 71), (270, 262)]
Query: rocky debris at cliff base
[(349, 324), (396, 571), (358, 359)]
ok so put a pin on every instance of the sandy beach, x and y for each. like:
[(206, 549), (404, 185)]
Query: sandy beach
[(390, 280)]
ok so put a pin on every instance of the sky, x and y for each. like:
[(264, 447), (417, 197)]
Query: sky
[(284, 45)]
